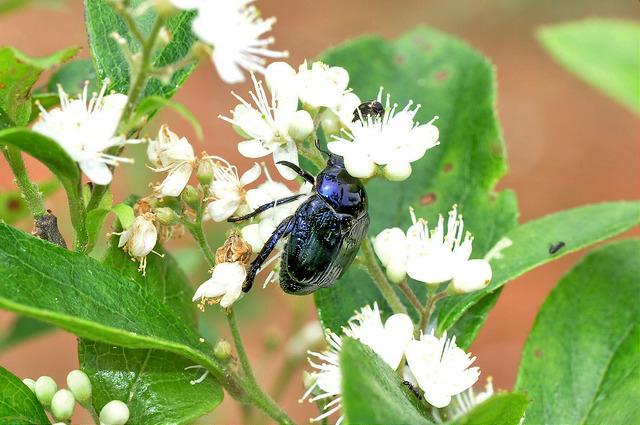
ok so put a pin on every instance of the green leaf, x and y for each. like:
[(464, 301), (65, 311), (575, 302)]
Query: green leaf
[(163, 279), (12, 204), (601, 52), (96, 217), (372, 393), (46, 151), (527, 247), (24, 328), (101, 21), (581, 364), (72, 77), (125, 214), (150, 378), (153, 383), (153, 103), (18, 405), (20, 72), (500, 409), (453, 81), (88, 299)]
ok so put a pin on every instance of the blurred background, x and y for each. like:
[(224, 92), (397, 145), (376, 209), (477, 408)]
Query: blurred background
[(567, 145)]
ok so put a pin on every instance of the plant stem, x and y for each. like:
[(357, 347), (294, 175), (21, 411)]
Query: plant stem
[(411, 296), (197, 232), (258, 396), (138, 82), (376, 273), (29, 189), (431, 304)]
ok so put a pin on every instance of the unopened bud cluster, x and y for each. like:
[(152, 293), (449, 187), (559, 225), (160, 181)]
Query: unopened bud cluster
[(61, 402)]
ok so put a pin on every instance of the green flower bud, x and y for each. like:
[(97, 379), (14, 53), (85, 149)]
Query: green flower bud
[(205, 172), (30, 383), (46, 387), (167, 216), (191, 196), (222, 350), (62, 405), (114, 413), (79, 384)]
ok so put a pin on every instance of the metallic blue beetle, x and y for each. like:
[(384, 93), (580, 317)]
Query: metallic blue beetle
[(324, 233)]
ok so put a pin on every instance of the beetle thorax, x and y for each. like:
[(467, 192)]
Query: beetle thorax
[(342, 191)]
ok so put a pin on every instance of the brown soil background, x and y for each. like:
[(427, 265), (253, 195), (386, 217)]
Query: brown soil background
[(567, 146)]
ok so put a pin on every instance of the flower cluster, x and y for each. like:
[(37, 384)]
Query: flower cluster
[(235, 29), (393, 140), (433, 257), (439, 367)]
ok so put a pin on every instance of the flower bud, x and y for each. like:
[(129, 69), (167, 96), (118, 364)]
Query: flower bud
[(361, 167), (397, 171), (62, 405), (278, 76), (300, 125), (251, 234), (389, 243), (222, 350), (191, 196), (79, 384), (114, 413), (46, 387), (30, 383), (164, 38), (205, 172), (166, 216), (396, 269), (474, 275)]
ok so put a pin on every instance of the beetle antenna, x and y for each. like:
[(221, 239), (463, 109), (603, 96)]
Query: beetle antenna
[(320, 149)]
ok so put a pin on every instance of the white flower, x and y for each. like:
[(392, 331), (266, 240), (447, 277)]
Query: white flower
[(435, 257), (234, 29), (172, 154), (224, 285), (85, 128), (388, 341), (228, 189), (328, 380), (432, 256), (467, 400), (321, 85), (440, 368), (270, 127), (336, 119), (139, 239), (394, 141)]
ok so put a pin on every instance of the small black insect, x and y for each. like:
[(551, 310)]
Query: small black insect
[(325, 232), (555, 248), (372, 108), (412, 389)]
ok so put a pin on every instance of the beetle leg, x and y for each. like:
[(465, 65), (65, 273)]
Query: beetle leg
[(265, 207), (283, 229), (302, 173)]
